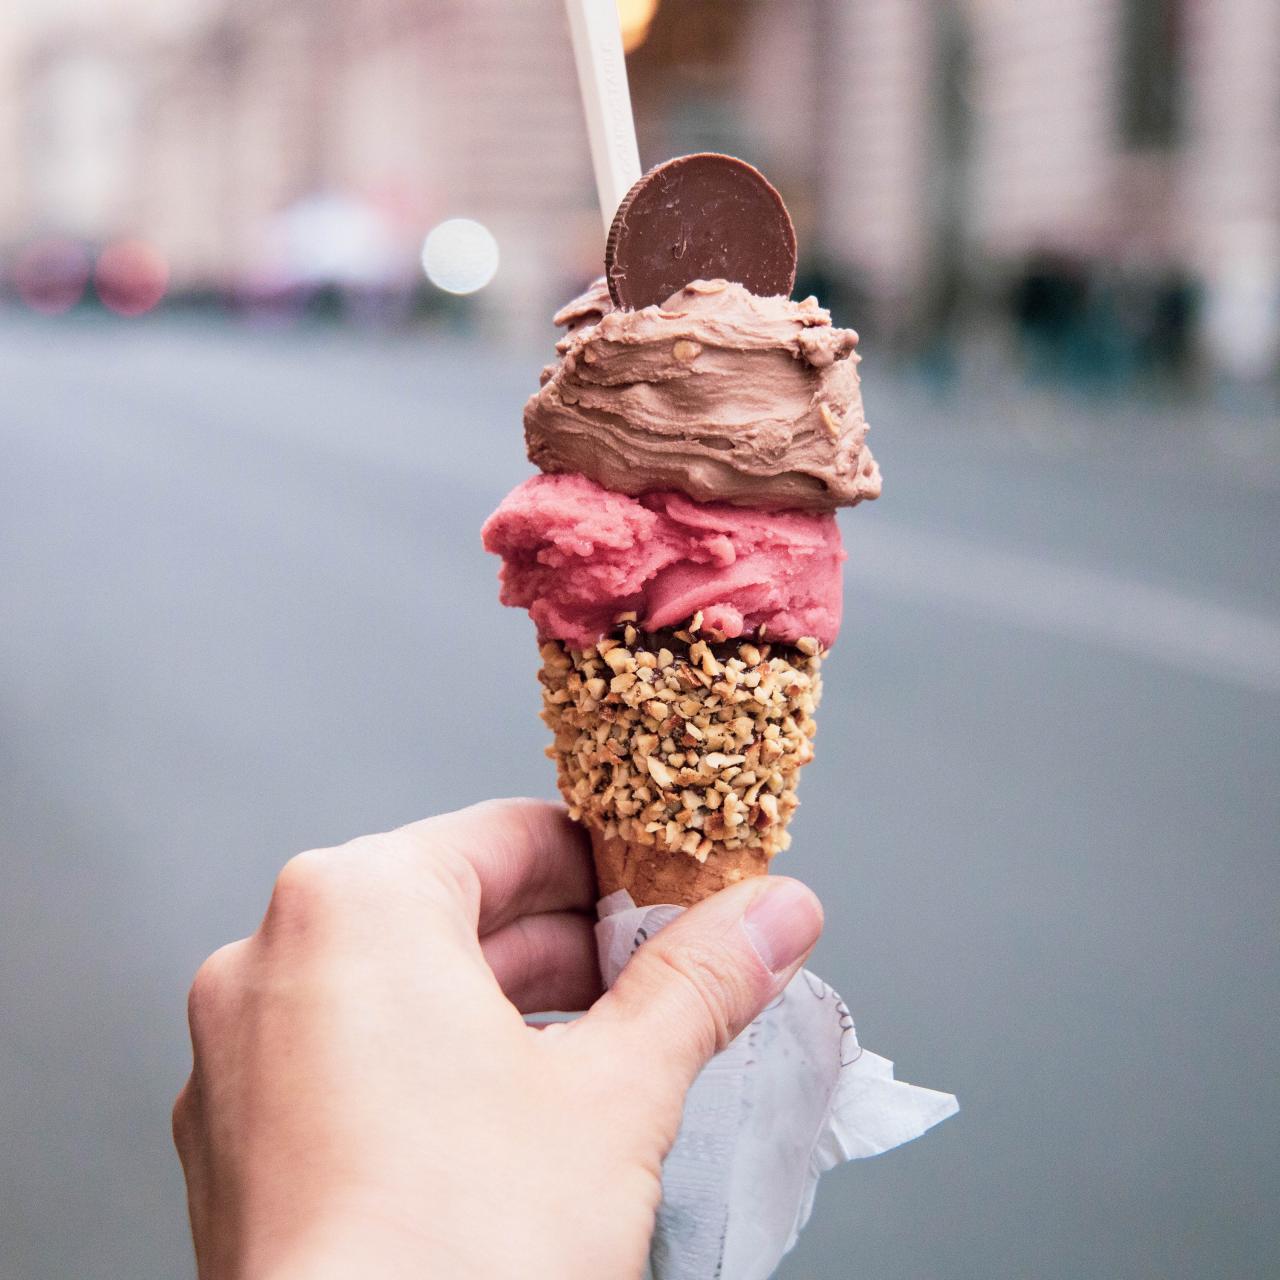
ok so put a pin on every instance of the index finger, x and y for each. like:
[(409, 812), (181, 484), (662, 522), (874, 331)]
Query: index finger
[(527, 855)]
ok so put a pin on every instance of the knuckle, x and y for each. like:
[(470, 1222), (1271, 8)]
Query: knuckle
[(182, 1118), (525, 955), (706, 976), (459, 876), (211, 983), (431, 860), (448, 873), (525, 951), (317, 890), (306, 886)]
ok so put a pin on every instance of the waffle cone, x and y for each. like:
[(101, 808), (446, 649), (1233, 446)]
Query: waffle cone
[(680, 754), (651, 877)]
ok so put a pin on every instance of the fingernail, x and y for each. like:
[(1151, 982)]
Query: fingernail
[(783, 923)]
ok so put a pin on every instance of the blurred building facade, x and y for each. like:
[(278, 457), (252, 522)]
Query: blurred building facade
[(199, 133), (940, 157), (959, 146)]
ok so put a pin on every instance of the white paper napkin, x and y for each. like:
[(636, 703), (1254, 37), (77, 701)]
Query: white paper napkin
[(793, 1096)]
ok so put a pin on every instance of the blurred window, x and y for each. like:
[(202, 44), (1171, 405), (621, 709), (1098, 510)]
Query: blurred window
[(1151, 73)]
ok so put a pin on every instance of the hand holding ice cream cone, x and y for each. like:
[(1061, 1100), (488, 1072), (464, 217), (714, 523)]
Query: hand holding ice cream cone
[(680, 559)]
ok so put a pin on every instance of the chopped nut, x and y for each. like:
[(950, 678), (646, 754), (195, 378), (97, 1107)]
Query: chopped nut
[(554, 656), (718, 760), (660, 773), (630, 724), (619, 660), (685, 351), (830, 421)]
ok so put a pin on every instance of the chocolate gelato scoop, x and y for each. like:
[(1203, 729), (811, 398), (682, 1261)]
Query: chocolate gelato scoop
[(718, 393)]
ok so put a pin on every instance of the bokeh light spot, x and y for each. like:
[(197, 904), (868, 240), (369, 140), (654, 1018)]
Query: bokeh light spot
[(460, 256), (131, 277), (50, 275)]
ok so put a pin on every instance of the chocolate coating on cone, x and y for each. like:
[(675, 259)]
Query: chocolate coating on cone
[(699, 217), (652, 878)]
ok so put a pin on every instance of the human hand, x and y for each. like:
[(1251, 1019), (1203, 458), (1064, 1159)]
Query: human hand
[(366, 1098)]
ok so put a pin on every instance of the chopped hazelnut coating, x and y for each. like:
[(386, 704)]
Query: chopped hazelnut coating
[(680, 744)]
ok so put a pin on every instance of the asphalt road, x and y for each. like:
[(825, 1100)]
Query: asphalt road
[(241, 590)]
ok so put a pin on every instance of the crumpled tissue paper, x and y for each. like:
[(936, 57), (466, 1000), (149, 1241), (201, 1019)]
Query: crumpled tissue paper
[(793, 1096)]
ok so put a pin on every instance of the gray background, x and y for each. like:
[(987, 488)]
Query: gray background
[(239, 573)]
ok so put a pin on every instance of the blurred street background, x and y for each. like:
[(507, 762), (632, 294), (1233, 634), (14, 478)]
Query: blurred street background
[(247, 440)]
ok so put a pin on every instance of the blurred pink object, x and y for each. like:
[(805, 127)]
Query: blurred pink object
[(131, 277), (50, 275)]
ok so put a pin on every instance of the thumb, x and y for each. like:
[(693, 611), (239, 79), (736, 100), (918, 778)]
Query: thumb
[(690, 989)]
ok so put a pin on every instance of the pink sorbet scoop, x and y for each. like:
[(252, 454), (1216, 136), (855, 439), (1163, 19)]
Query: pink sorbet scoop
[(576, 555)]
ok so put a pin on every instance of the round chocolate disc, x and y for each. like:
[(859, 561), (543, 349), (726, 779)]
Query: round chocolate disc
[(699, 217)]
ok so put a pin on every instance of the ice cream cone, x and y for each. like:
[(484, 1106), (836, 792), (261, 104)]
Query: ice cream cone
[(652, 877), (680, 753)]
